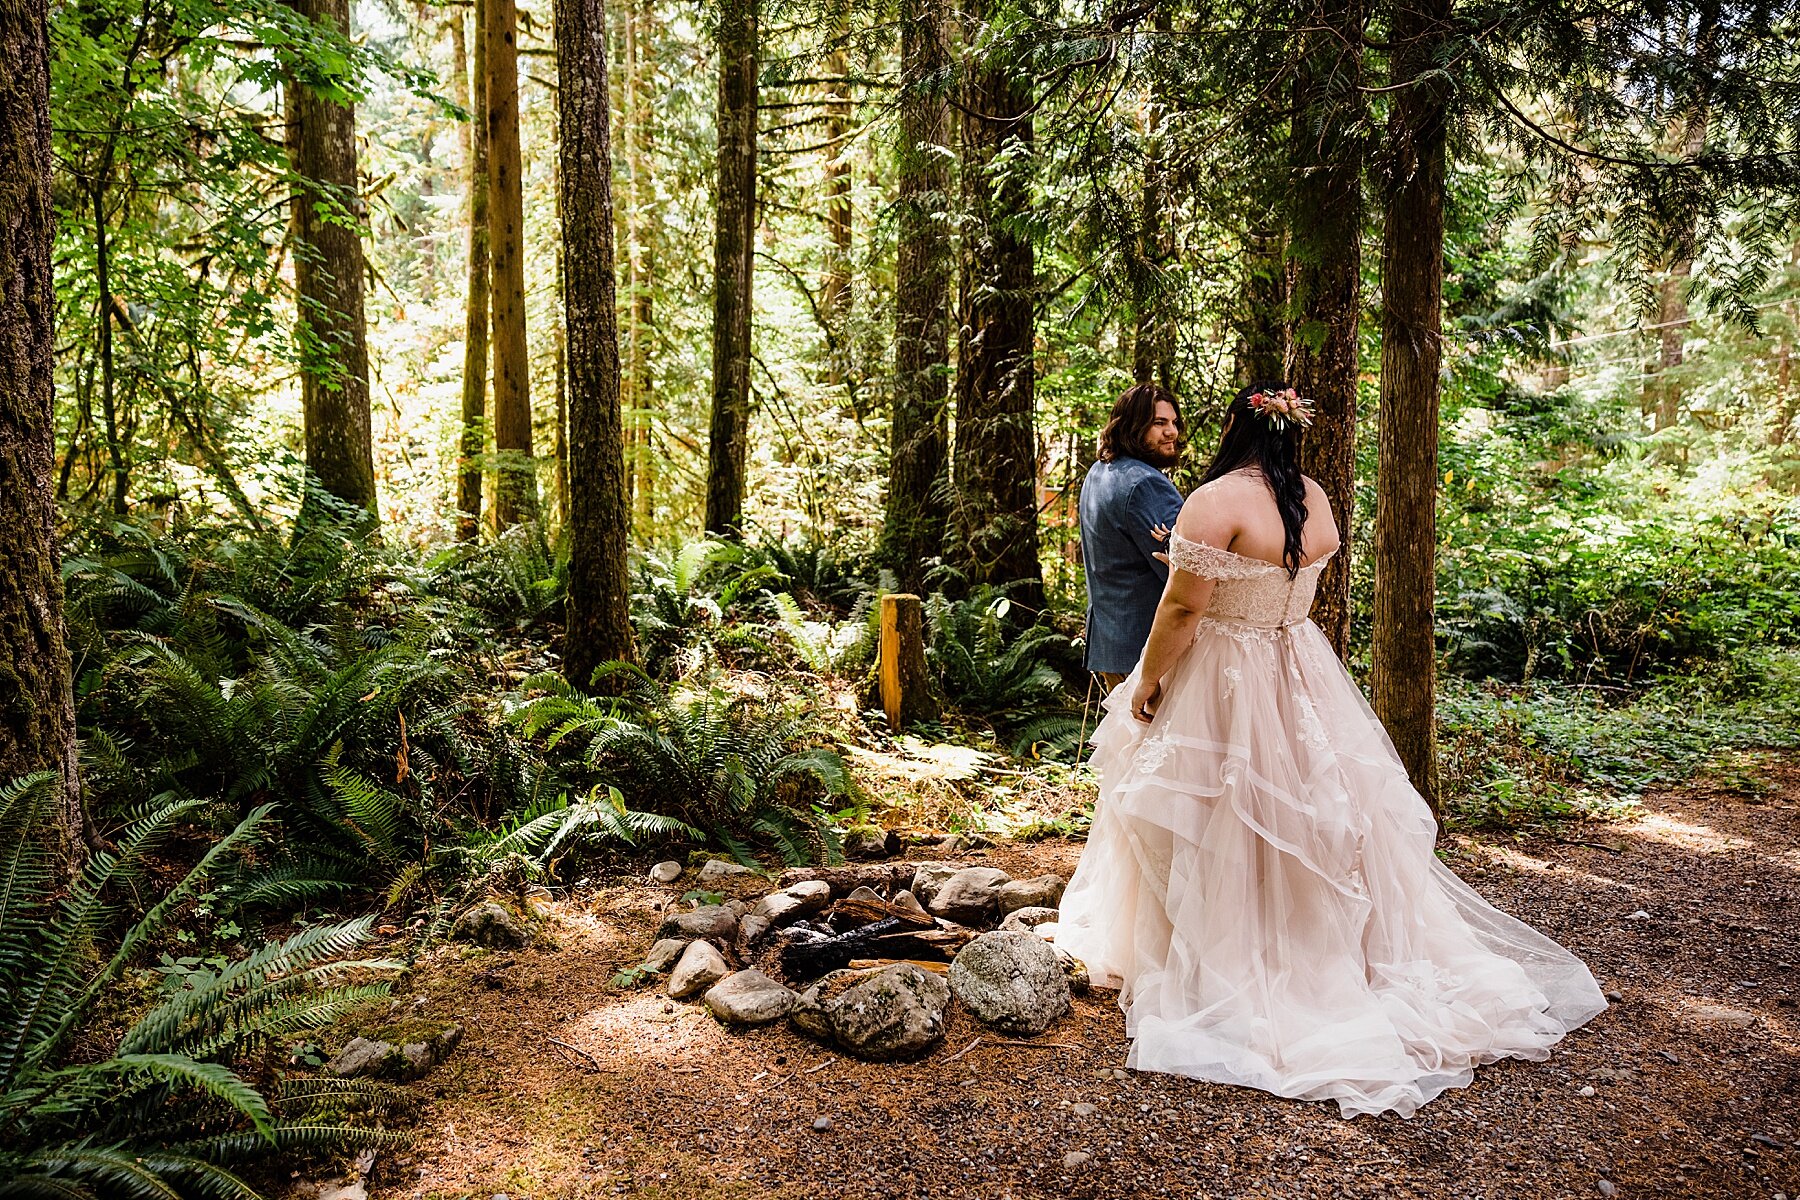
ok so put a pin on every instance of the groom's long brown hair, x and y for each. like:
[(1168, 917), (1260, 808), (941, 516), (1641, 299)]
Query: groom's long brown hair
[(1132, 415)]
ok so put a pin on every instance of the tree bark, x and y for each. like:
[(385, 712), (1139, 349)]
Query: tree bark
[(1404, 677), (996, 443), (734, 234), (919, 437), (642, 210), (1325, 245), (1153, 345), (516, 496), (834, 295), (37, 716), (328, 279), (1262, 324), (473, 440), (598, 625)]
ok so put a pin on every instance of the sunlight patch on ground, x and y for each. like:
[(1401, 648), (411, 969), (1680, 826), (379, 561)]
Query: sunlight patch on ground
[(1517, 860), (920, 761), (1700, 839)]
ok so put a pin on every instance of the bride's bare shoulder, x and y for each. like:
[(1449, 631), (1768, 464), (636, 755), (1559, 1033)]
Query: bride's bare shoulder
[(1316, 496)]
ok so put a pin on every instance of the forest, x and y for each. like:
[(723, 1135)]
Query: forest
[(454, 453)]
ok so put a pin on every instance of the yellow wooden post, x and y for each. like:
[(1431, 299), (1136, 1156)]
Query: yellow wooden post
[(905, 687)]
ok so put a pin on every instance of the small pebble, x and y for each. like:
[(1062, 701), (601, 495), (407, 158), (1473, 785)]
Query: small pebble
[(1667, 1057), (1085, 1109), (1614, 997), (1639, 915), (1763, 1139), (1589, 1090), (1075, 1158), (1607, 1188), (821, 1124)]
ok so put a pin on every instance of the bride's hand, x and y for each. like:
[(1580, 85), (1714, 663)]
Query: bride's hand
[(1145, 698)]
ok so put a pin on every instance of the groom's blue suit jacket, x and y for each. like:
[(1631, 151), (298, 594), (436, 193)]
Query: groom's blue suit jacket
[(1120, 502)]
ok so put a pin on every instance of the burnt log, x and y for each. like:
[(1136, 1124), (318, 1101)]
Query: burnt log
[(809, 956)]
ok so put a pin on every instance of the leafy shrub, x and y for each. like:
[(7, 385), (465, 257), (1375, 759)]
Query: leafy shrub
[(693, 606), (163, 1112), (716, 767), (987, 667)]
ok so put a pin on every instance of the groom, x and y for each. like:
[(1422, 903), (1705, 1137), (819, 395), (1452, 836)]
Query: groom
[(1125, 500)]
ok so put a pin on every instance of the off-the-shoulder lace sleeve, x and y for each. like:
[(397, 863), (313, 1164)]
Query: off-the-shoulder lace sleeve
[(1210, 562)]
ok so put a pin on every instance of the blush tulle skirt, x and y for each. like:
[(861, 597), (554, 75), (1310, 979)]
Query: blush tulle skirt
[(1260, 881)]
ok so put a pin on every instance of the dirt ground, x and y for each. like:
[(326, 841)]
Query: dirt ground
[(566, 1086)]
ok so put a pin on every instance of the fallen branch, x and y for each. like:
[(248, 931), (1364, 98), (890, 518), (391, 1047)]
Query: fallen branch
[(591, 1063), (963, 1051)]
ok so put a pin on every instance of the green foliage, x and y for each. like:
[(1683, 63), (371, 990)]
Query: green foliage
[(1519, 754), (163, 1111), (691, 607), (708, 764), (988, 667)]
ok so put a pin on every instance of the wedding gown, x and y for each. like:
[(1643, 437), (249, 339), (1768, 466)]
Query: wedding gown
[(1260, 879)]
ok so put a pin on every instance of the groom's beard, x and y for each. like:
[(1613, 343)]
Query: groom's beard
[(1159, 460)]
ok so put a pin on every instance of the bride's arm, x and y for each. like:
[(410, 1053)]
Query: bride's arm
[(1183, 603)]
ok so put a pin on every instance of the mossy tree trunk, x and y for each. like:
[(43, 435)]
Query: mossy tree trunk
[(328, 280), (516, 496), (996, 386), (919, 437), (734, 233), (37, 718), (599, 512), (471, 70), (1325, 221), (1403, 681)]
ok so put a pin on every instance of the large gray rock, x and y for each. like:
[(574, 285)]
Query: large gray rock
[(751, 929), (896, 1013), (1011, 981), (750, 998), (969, 897), (403, 1051), (664, 954), (1028, 918), (1045, 891), (701, 965), (492, 924), (717, 870), (794, 901), (909, 902), (707, 921), (928, 877)]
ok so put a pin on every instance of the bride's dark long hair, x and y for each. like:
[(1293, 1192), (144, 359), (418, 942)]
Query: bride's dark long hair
[(1251, 440)]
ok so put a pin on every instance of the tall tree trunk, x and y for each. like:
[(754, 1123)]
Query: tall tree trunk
[(516, 497), (996, 443), (37, 716), (1404, 678), (734, 234), (473, 440), (834, 295), (599, 626), (1262, 308), (919, 437), (643, 263), (1325, 244), (328, 277), (1153, 346)]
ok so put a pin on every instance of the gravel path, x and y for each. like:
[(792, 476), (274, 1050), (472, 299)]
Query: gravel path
[(1688, 1086)]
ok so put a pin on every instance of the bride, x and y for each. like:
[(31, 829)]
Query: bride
[(1260, 878)]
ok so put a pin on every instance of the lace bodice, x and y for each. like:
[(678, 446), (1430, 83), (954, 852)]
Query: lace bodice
[(1249, 591)]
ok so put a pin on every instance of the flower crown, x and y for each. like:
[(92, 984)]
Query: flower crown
[(1278, 408)]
